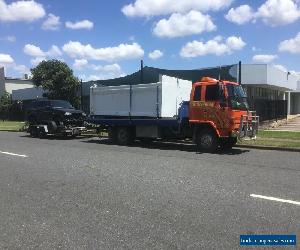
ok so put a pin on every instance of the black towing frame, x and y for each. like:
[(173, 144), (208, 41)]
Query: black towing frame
[(42, 130)]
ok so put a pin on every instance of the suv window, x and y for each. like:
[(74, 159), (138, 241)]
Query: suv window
[(197, 94), (212, 93)]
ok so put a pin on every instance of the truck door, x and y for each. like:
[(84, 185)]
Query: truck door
[(215, 110)]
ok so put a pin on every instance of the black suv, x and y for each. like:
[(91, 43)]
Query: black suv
[(58, 113)]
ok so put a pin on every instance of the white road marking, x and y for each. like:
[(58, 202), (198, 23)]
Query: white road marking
[(275, 199), (13, 154)]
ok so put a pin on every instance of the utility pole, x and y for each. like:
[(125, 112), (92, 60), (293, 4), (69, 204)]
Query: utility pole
[(142, 71), (240, 73)]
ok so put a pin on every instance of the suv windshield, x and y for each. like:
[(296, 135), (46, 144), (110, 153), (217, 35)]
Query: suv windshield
[(237, 97), (61, 104)]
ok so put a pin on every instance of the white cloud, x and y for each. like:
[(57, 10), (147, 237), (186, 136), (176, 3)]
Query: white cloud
[(6, 59), (264, 58), (9, 63), (280, 67), (240, 15), (37, 60), (215, 47), (109, 54), (292, 45), (54, 52), (179, 25), (26, 11), (84, 24), (35, 51), (272, 13), (103, 72), (51, 23), (156, 54), (278, 12), (150, 8), (79, 64), (22, 69)]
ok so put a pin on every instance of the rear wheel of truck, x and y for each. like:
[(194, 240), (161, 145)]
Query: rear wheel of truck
[(207, 140), (124, 135)]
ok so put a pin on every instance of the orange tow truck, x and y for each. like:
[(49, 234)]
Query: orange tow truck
[(219, 114), (215, 116)]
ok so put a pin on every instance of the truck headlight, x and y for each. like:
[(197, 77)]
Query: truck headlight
[(68, 113)]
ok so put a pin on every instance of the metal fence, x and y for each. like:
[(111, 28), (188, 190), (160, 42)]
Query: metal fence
[(269, 109)]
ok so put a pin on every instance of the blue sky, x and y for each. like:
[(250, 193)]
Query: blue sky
[(107, 39)]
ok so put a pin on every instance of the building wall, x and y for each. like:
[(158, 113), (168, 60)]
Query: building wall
[(254, 73), (295, 103), (281, 78), (27, 94), (263, 74), (9, 87)]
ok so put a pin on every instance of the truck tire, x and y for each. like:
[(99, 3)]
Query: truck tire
[(124, 136), (207, 140), (228, 143)]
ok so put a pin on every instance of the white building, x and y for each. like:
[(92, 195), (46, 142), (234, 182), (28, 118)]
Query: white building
[(268, 82), (20, 89)]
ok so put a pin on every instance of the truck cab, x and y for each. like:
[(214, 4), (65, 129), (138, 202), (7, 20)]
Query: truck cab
[(219, 113)]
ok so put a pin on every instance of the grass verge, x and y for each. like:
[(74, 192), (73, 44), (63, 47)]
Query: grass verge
[(275, 139), (10, 126)]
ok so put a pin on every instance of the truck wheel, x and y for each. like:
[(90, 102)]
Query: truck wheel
[(228, 143), (207, 140), (124, 136)]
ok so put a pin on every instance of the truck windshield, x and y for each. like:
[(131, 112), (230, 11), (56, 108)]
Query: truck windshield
[(61, 104), (237, 97)]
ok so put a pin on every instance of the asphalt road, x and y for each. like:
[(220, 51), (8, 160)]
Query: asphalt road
[(88, 194)]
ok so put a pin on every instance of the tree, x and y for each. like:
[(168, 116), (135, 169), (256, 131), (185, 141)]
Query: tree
[(5, 103), (58, 80)]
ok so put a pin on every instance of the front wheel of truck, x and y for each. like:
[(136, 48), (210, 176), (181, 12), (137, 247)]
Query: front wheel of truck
[(207, 140)]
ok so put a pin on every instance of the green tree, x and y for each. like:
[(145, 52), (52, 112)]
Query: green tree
[(58, 80), (5, 103)]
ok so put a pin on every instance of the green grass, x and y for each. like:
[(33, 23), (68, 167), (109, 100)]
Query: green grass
[(275, 139), (10, 126), (279, 134), (273, 143)]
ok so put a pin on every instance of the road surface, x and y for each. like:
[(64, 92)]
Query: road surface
[(88, 194)]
